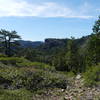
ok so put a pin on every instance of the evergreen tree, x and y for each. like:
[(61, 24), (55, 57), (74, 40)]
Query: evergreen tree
[(59, 61), (72, 62), (8, 38), (96, 27), (93, 47)]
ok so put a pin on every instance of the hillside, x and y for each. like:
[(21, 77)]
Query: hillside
[(56, 69), (29, 44), (52, 43)]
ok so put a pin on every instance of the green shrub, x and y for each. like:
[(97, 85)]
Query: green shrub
[(2, 55), (36, 80), (54, 80), (2, 65), (11, 60), (22, 62), (20, 94), (39, 65), (19, 73), (68, 74), (36, 65), (31, 79), (92, 76)]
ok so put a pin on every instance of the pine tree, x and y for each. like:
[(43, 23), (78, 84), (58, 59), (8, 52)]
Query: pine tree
[(8, 38), (93, 47), (72, 62)]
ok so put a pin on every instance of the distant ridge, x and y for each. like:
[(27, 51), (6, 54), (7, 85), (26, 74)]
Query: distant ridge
[(27, 44), (50, 43)]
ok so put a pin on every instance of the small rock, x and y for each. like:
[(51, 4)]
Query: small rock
[(78, 76), (68, 87), (62, 90), (89, 88)]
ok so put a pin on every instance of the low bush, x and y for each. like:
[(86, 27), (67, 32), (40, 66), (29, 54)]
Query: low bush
[(31, 79), (36, 65), (2, 65), (92, 76), (22, 62), (20, 94), (12, 60), (2, 55)]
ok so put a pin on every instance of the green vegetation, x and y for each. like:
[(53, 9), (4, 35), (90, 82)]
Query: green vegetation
[(15, 82), (22, 62), (26, 71), (8, 40), (31, 78), (20, 94), (92, 76)]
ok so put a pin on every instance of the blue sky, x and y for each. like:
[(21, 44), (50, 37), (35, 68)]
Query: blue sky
[(36, 20)]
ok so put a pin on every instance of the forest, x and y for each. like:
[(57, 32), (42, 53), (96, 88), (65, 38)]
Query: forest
[(56, 69)]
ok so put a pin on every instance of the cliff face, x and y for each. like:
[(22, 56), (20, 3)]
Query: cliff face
[(55, 42)]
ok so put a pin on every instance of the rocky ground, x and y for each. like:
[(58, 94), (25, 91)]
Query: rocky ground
[(76, 91), (79, 92)]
